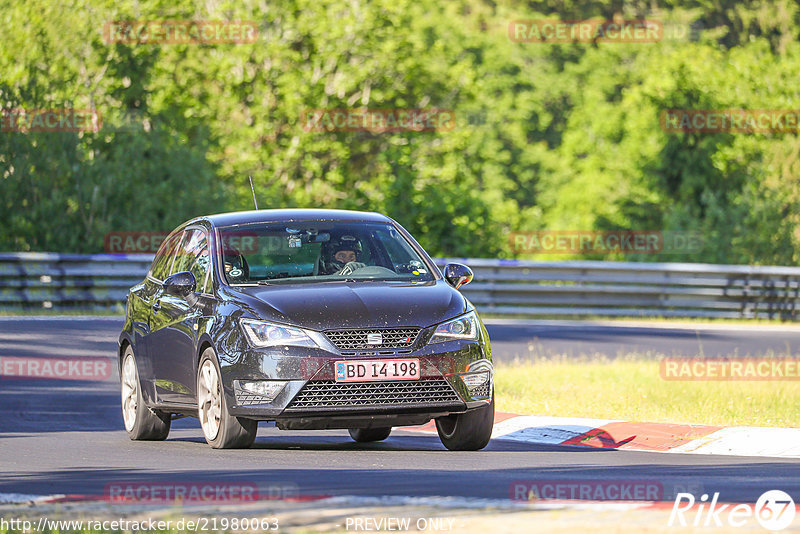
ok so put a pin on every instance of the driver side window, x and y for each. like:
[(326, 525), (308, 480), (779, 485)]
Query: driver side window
[(192, 256), (162, 263)]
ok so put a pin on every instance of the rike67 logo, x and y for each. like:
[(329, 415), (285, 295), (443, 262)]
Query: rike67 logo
[(774, 510)]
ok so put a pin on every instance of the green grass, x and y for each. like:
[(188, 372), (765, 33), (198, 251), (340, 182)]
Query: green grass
[(632, 389)]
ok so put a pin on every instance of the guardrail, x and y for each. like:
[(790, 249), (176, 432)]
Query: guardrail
[(503, 287), (633, 289), (34, 280)]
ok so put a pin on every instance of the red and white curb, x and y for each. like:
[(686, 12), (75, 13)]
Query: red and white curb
[(650, 437), (21, 498)]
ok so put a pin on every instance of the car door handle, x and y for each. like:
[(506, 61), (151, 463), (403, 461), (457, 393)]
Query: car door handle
[(156, 305)]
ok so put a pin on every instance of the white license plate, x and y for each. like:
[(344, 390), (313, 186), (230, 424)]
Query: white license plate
[(372, 370)]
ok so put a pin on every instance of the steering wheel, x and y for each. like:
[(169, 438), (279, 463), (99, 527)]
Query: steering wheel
[(350, 267)]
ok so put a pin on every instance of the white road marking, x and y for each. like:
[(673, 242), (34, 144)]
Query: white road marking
[(747, 441), (544, 430)]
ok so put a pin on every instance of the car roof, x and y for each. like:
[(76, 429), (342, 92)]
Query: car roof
[(300, 214)]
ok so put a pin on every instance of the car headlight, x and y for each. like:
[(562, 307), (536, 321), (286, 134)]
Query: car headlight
[(264, 334), (464, 327)]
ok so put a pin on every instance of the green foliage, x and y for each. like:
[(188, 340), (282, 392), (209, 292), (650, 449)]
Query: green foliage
[(548, 136)]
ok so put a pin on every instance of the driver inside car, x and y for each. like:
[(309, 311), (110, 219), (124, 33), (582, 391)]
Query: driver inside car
[(341, 257), (235, 266)]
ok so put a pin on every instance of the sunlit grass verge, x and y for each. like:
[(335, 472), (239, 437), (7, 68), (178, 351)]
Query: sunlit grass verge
[(775, 321), (631, 389)]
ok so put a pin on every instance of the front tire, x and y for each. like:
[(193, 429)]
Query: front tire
[(220, 428), (469, 431), (141, 423), (366, 435)]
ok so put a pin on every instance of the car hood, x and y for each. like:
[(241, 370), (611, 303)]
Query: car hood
[(358, 304)]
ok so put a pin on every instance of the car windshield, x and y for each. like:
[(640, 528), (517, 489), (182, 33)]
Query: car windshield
[(319, 251)]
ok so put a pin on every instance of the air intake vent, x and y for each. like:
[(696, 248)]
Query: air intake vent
[(330, 394)]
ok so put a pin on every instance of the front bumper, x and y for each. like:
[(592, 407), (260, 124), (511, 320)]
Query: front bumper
[(312, 398)]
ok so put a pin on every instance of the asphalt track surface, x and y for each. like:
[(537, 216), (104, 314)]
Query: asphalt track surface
[(67, 437)]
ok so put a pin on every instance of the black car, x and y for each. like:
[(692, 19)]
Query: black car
[(313, 319)]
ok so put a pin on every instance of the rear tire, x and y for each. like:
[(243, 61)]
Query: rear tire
[(366, 435), (220, 428), (141, 422), (469, 431)]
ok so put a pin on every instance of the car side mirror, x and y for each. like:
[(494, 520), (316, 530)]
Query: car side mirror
[(457, 274), (181, 285)]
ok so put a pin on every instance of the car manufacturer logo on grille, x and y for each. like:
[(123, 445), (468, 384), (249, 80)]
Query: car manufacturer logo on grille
[(373, 338)]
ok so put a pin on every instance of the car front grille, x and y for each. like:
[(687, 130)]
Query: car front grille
[(330, 394), (376, 338)]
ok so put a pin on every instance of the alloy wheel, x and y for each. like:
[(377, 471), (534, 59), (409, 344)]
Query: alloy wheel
[(209, 396), (130, 392)]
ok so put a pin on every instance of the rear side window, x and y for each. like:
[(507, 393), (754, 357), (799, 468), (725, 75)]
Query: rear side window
[(163, 261)]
